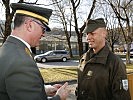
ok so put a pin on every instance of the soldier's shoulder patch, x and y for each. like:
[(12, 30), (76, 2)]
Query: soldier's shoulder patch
[(125, 84)]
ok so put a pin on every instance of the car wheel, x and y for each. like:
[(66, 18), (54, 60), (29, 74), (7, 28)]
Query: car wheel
[(44, 60), (38, 59), (64, 59)]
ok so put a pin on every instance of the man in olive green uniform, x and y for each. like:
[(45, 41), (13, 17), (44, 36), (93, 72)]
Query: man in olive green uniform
[(20, 78), (101, 74)]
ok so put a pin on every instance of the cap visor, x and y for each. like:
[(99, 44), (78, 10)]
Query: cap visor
[(90, 28), (47, 27)]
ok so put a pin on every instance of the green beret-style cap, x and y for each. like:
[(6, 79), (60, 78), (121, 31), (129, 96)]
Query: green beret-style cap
[(42, 14), (92, 25)]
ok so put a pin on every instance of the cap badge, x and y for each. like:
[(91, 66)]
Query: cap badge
[(28, 52), (90, 73)]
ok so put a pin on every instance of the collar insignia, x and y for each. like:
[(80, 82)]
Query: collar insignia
[(28, 52)]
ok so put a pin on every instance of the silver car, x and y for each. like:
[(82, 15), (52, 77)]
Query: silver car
[(53, 55)]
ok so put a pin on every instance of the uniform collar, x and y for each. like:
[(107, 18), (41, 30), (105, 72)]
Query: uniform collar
[(100, 57), (28, 46)]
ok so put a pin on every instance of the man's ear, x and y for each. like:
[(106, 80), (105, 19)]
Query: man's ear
[(104, 31), (28, 25)]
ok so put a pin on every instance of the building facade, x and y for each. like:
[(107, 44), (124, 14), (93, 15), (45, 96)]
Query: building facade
[(59, 42)]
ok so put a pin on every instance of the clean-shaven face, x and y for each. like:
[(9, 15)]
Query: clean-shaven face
[(96, 39), (38, 32)]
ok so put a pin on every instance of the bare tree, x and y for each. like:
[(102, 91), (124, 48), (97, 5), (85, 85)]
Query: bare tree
[(2, 28), (60, 13), (9, 16), (123, 13), (71, 19), (75, 4), (110, 19), (113, 35)]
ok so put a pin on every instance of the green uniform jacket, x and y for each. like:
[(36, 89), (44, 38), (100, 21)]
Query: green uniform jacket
[(20, 78), (102, 77)]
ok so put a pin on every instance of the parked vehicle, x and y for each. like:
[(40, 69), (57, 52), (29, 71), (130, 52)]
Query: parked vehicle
[(131, 52), (53, 55)]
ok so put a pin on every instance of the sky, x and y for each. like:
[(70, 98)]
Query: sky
[(2, 9), (83, 10)]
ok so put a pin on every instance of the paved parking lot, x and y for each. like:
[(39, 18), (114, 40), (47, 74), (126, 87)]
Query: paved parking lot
[(59, 64), (69, 63)]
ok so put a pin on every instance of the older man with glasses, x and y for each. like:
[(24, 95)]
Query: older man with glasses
[(42, 25), (20, 78)]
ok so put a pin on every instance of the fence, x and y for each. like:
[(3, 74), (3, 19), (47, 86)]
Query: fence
[(130, 80)]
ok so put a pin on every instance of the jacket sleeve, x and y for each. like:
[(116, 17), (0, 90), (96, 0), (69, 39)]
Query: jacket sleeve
[(24, 82), (119, 82)]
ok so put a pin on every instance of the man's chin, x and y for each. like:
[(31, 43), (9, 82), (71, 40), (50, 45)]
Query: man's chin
[(91, 46), (36, 45)]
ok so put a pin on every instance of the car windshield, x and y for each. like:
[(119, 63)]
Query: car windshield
[(47, 53)]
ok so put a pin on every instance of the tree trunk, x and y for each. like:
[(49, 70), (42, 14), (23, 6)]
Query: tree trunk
[(7, 27), (9, 17), (128, 61), (80, 45), (69, 43)]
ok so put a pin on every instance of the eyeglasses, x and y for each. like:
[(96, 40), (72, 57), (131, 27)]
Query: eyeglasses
[(43, 27)]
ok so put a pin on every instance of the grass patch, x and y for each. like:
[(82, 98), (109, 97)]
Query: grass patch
[(58, 74), (65, 74), (129, 68)]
